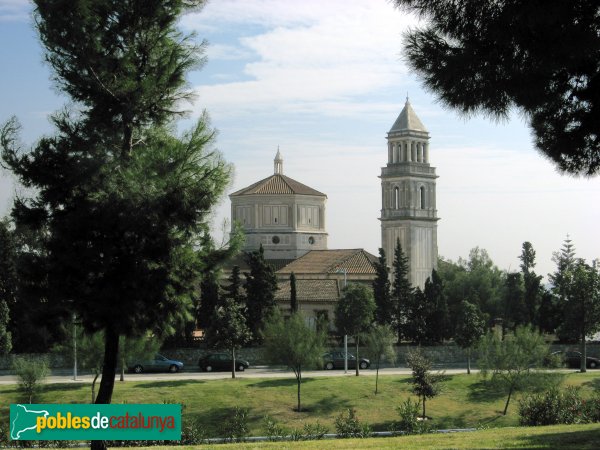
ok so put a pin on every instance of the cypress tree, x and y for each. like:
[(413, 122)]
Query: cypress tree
[(385, 314)]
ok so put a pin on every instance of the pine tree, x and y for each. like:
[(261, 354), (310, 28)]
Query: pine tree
[(123, 201), (260, 286), (8, 284), (293, 294), (234, 288), (531, 284), (515, 312), (385, 314), (210, 296), (401, 288), (438, 319)]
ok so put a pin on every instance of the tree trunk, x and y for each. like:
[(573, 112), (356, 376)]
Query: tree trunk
[(122, 369), (299, 380), (232, 362), (424, 407), (469, 361), (94, 386), (107, 383), (582, 366), (357, 359), (510, 391), (377, 375)]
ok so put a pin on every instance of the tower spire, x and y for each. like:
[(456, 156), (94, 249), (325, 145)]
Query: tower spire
[(278, 163)]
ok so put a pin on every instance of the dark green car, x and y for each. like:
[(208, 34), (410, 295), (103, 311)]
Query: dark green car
[(221, 361)]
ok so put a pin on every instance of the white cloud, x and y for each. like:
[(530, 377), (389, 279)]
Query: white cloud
[(14, 10), (310, 56)]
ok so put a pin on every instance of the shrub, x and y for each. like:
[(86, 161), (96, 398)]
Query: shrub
[(409, 412), (274, 431), (30, 372), (591, 409), (236, 428), (193, 433), (553, 407), (347, 425), (314, 431)]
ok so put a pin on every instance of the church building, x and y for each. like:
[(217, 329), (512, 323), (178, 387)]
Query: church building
[(288, 218)]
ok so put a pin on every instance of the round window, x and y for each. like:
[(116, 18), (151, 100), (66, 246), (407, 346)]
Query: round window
[(311, 240), (275, 240)]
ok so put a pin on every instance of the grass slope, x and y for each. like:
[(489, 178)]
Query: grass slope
[(580, 437), (464, 402)]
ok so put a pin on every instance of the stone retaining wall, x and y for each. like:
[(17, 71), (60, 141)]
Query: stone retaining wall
[(440, 355)]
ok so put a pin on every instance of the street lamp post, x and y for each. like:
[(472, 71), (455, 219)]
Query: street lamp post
[(74, 347)]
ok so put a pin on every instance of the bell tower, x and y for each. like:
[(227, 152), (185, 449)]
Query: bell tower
[(408, 209)]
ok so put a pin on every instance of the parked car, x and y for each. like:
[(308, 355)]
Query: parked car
[(335, 360), (158, 364), (221, 361), (573, 359)]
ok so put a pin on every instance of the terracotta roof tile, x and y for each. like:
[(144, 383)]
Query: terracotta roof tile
[(277, 184), (309, 290), (353, 261)]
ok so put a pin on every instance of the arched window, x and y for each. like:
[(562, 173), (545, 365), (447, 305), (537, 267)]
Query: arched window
[(396, 198), (422, 197)]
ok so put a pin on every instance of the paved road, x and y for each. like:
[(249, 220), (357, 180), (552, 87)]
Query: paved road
[(259, 372)]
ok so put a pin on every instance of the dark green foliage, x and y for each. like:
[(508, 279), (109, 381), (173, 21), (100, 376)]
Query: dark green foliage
[(260, 287), (409, 414), (402, 290), (347, 425), (193, 433), (8, 284), (354, 313), (228, 329), (385, 314), (533, 291), (236, 428), (425, 384), (469, 328), (581, 313), (511, 360), (475, 279), (549, 313), (293, 294), (515, 311), (210, 293), (121, 204), (30, 374), (438, 318), (233, 290), (556, 406), (123, 60), (293, 343), (490, 57), (5, 335), (416, 314), (426, 313)]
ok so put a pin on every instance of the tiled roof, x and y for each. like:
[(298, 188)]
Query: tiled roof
[(240, 261), (408, 120), (353, 261), (309, 290), (277, 184)]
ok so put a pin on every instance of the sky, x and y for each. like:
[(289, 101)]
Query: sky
[(324, 82)]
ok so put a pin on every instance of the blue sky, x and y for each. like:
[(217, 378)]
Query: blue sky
[(325, 81)]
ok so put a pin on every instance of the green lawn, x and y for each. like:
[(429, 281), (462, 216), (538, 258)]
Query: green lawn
[(579, 437), (465, 402)]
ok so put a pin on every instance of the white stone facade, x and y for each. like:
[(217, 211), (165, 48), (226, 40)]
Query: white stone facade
[(408, 209)]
